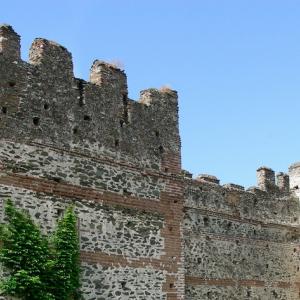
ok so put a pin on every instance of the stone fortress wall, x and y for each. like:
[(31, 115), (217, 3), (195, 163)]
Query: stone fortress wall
[(241, 244), (147, 229)]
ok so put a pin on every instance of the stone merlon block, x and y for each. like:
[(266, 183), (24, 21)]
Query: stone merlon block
[(48, 105), (234, 186), (294, 173), (9, 43), (265, 178), (106, 74), (186, 174), (208, 178), (283, 181), (155, 96), (52, 58)]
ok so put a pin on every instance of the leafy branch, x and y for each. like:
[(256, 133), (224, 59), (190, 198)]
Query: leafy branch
[(39, 267)]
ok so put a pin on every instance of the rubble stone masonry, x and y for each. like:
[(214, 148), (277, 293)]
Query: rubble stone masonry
[(147, 229)]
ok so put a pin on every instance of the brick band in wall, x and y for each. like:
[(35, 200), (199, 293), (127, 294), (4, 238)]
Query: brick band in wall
[(190, 280)]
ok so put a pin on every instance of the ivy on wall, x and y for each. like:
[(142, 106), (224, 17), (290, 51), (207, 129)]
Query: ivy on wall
[(39, 267)]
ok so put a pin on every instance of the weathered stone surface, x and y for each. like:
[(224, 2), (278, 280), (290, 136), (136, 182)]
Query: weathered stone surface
[(147, 229), (237, 293), (42, 102), (122, 283), (122, 231), (79, 170), (241, 244)]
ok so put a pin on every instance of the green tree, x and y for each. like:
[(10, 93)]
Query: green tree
[(24, 253), (39, 270), (66, 271)]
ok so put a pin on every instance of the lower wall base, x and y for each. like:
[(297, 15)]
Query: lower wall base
[(240, 293), (122, 283)]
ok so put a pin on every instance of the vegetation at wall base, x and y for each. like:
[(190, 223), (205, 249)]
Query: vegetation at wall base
[(39, 267)]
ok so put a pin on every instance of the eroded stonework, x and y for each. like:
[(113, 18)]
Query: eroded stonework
[(147, 229), (122, 283)]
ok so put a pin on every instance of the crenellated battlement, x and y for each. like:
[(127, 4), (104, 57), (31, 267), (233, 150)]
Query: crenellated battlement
[(9, 43), (42, 102), (275, 198), (148, 230), (267, 180)]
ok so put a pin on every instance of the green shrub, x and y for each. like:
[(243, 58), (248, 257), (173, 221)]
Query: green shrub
[(65, 278), (39, 268)]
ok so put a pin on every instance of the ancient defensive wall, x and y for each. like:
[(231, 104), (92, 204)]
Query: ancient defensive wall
[(147, 229), (241, 244)]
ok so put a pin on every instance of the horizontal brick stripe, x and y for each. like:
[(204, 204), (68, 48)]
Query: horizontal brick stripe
[(243, 220), (224, 237), (191, 280), (114, 162), (121, 261), (73, 191), (169, 206)]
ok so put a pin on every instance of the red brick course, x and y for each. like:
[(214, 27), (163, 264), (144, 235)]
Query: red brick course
[(170, 206)]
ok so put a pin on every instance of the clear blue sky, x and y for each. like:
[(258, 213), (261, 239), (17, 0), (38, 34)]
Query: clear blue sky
[(235, 64)]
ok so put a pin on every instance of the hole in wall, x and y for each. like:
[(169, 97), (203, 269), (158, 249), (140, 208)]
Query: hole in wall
[(237, 242), (296, 187), (267, 266), (156, 132), (175, 201), (166, 169), (275, 294), (161, 149), (171, 285), (46, 106), (295, 250), (36, 121), (126, 192), (117, 143), (60, 212), (121, 123), (87, 118), (75, 130), (11, 83), (206, 221), (80, 85), (4, 109), (56, 179), (123, 284), (125, 109), (248, 294)]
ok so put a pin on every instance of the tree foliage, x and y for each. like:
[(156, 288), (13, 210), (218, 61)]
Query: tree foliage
[(66, 262), (39, 268)]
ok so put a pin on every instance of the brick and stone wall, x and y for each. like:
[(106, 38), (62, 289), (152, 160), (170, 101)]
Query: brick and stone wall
[(241, 244), (67, 141), (147, 229)]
